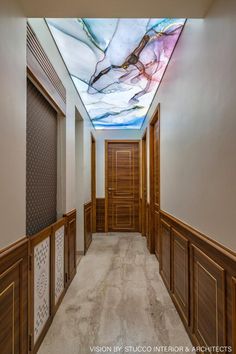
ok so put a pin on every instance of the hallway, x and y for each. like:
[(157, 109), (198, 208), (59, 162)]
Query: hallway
[(117, 298)]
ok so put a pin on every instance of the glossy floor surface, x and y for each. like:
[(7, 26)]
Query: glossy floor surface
[(117, 299)]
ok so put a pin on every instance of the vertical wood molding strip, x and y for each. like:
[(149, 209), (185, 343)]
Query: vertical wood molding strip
[(87, 225)]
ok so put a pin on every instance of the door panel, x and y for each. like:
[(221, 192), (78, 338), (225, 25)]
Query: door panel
[(123, 186)]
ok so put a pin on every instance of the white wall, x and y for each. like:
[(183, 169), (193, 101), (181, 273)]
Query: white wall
[(198, 126), (101, 136), (12, 123)]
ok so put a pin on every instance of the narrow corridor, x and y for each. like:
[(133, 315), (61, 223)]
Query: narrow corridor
[(117, 298)]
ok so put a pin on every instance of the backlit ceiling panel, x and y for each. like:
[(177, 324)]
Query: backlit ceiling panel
[(116, 64)]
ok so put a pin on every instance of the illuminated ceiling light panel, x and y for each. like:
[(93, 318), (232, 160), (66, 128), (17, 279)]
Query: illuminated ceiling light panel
[(116, 64)]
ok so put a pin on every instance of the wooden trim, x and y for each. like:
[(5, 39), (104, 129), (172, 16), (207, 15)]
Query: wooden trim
[(155, 118), (93, 182), (70, 214), (70, 246), (42, 73), (87, 225), (11, 247), (144, 183), (197, 234)]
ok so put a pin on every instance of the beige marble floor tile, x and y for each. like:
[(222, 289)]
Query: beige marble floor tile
[(116, 299)]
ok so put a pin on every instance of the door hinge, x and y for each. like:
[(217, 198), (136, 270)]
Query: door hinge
[(66, 276), (30, 262), (30, 342)]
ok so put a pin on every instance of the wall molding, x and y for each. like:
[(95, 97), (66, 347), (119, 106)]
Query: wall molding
[(41, 71), (87, 225), (205, 275)]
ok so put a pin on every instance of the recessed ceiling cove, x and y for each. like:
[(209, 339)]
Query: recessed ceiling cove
[(116, 64)]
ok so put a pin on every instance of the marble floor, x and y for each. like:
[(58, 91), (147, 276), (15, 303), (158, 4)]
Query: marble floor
[(116, 299)]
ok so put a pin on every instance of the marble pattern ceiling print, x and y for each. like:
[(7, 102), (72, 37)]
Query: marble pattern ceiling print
[(116, 64)]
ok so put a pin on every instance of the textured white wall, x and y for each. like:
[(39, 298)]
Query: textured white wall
[(198, 126), (12, 123)]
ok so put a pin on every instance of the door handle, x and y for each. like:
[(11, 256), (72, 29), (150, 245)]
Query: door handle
[(111, 189)]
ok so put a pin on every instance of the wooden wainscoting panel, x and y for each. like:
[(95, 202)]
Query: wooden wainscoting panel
[(71, 245), (212, 296), (208, 296), (100, 214), (180, 273), (14, 299), (87, 225), (234, 313), (165, 253)]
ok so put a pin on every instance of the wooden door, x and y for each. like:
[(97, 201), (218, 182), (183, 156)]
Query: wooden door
[(122, 186), (154, 241)]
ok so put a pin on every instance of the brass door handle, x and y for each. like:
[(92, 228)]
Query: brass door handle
[(111, 189)]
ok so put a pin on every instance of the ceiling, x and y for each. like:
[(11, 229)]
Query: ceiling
[(115, 8), (116, 64)]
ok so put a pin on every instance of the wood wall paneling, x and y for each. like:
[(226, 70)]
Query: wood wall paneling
[(165, 259), (180, 273), (71, 245), (14, 298), (87, 225), (202, 289), (42, 73), (100, 215), (208, 296)]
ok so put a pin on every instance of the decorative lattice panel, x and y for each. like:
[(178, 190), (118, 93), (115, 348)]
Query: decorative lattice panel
[(41, 286), (59, 262), (41, 162)]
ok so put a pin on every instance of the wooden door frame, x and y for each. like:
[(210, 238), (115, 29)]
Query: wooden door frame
[(107, 142), (93, 182), (155, 118), (144, 184)]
